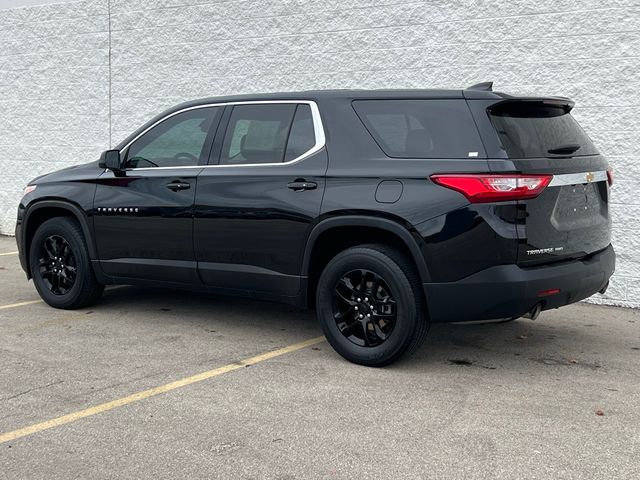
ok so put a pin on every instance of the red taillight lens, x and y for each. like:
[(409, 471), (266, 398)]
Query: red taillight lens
[(610, 176), (548, 293), (483, 188)]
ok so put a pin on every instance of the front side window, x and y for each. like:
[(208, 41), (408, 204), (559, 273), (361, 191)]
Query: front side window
[(178, 141), (267, 133), (421, 128)]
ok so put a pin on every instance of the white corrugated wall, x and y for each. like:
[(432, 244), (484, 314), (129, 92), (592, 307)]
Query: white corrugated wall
[(78, 76)]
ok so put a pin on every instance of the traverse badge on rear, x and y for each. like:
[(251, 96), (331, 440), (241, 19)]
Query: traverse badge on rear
[(539, 251)]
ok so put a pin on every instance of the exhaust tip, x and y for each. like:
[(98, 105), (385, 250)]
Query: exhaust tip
[(604, 289), (534, 312)]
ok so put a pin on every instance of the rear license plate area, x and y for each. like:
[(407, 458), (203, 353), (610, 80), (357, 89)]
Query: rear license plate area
[(576, 203)]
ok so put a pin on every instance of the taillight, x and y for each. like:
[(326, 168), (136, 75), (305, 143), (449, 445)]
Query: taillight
[(548, 293), (610, 176), (483, 188)]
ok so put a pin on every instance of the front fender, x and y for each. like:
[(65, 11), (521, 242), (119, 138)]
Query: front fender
[(31, 212)]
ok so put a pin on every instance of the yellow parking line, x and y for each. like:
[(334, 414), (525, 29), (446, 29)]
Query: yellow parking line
[(32, 302), (136, 397), (8, 253), (19, 304)]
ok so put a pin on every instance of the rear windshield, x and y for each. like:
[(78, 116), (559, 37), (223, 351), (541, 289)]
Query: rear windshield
[(534, 129), (421, 128)]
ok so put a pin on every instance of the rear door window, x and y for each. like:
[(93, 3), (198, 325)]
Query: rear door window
[(268, 133), (421, 128), (536, 129), (257, 134)]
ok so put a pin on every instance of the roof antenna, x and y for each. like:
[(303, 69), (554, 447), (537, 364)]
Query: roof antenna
[(486, 86)]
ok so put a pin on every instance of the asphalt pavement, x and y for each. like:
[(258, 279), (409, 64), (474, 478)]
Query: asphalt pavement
[(168, 384)]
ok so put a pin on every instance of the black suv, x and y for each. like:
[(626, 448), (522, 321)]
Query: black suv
[(385, 210)]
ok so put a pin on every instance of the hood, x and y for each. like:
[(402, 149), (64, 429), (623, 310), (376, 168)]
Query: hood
[(69, 174)]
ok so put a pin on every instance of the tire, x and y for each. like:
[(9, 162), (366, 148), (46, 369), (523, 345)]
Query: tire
[(60, 265), (397, 283)]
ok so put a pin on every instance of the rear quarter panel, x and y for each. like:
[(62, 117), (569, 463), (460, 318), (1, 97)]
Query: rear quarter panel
[(456, 238)]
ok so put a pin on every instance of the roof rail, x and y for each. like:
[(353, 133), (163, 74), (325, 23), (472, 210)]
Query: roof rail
[(486, 86)]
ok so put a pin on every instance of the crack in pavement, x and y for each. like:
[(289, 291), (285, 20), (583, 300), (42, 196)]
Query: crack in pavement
[(57, 382)]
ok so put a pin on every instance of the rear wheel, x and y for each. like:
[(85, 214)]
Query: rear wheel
[(60, 265), (371, 306)]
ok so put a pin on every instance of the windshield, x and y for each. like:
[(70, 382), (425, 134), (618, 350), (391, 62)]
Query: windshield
[(535, 129)]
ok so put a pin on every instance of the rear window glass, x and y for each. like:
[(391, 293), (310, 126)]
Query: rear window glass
[(257, 134), (533, 129), (421, 128)]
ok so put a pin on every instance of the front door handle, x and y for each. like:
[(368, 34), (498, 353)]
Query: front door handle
[(301, 184), (177, 185)]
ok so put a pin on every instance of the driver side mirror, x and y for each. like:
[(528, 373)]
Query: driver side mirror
[(111, 159)]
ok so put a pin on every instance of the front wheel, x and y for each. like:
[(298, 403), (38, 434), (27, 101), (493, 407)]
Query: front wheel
[(370, 305), (60, 265)]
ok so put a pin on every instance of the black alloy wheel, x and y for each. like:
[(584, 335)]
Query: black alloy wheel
[(60, 265), (364, 308), (370, 304), (57, 265)]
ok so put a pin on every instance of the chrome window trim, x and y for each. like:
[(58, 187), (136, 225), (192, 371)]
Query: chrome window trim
[(318, 130), (578, 178)]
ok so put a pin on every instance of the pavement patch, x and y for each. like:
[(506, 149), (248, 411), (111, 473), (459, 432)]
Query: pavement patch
[(152, 392)]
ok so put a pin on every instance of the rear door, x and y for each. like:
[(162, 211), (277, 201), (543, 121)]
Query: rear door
[(256, 202), (144, 215), (570, 218)]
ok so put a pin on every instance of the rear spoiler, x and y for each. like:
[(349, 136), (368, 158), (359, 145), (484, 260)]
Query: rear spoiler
[(519, 103), (484, 90)]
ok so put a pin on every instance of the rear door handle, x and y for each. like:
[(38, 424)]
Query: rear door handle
[(177, 185), (300, 185)]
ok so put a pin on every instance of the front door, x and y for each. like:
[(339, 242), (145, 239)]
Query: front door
[(254, 209), (144, 215)]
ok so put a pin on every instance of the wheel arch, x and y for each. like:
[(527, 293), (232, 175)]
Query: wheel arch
[(385, 231), (41, 211)]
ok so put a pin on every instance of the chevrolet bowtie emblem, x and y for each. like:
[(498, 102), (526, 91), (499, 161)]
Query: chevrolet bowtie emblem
[(590, 176)]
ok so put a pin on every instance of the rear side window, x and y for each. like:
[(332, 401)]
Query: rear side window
[(421, 128), (535, 129), (257, 134), (268, 133)]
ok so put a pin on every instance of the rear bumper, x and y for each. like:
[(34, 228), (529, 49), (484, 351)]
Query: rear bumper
[(506, 291)]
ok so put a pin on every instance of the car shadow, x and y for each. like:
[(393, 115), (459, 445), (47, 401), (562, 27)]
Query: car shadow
[(203, 308), (550, 341)]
